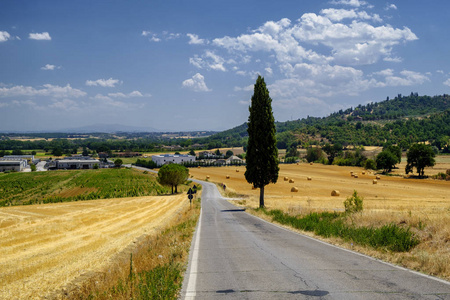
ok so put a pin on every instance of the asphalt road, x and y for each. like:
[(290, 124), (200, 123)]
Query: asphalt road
[(237, 256)]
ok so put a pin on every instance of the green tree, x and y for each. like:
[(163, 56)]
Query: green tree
[(419, 156), (173, 175), (57, 151), (192, 152), (292, 151), (262, 153), (33, 167), (332, 151), (314, 154), (229, 153), (118, 163), (85, 152), (396, 150), (386, 160), (370, 164), (17, 152)]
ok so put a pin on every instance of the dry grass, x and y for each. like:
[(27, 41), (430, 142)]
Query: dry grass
[(45, 247), (423, 204)]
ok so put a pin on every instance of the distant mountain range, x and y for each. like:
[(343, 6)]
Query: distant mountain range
[(107, 128)]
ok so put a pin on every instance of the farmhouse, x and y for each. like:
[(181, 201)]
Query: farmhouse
[(206, 154), (12, 164), (77, 163), (30, 158), (171, 158), (233, 160)]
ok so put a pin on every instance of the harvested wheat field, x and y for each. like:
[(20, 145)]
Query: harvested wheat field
[(423, 204), (45, 247)]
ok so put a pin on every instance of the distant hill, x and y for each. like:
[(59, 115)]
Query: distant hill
[(108, 128), (402, 120)]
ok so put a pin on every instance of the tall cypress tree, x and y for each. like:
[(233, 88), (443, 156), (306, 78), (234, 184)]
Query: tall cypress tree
[(262, 152)]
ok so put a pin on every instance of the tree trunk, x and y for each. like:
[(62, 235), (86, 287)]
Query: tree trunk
[(172, 189), (261, 197), (176, 191)]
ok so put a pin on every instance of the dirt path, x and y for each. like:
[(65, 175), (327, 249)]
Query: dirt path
[(44, 247)]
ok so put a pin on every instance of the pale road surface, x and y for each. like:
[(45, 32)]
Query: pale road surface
[(237, 256)]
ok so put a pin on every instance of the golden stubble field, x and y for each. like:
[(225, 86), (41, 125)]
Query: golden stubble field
[(420, 203), (45, 247)]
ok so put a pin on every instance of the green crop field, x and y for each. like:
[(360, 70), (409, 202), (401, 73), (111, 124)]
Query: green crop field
[(75, 185)]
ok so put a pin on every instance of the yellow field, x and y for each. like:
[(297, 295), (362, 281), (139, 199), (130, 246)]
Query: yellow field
[(392, 199), (45, 247)]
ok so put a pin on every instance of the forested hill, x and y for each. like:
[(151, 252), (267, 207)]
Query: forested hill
[(403, 120), (399, 107)]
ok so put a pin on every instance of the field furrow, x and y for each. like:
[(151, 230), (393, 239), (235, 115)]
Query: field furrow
[(44, 247)]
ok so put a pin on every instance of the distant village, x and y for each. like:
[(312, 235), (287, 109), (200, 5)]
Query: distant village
[(28, 163)]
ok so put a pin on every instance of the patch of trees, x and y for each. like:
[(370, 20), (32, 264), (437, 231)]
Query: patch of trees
[(388, 158), (419, 156), (173, 175), (150, 164)]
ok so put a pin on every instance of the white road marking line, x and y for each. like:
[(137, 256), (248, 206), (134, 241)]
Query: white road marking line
[(192, 279)]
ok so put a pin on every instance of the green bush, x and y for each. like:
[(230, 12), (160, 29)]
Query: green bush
[(370, 164), (354, 203)]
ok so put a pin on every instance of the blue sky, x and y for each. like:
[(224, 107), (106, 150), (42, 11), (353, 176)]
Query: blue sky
[(190, 65)]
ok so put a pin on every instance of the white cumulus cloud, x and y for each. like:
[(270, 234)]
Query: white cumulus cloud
[(49, 67), (195, 40), (129, 95), (103, 82), (65, 104), (196, 83), (390, 6), (209, 60), (354, 3), (447, 82), (4, 36), (48, 90), (44, 36)]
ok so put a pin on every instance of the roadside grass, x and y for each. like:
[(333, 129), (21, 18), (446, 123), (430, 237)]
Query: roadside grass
[(390, 237), (76, 185), (153, 269)]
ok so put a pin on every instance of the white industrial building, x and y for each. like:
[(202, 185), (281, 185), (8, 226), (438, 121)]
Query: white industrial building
[(172, 158), (77, 163), (12, 164)]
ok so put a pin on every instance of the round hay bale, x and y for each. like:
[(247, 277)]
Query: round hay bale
[(335, 193), (237, 171), (207, 176), (311, 163), (228, 176), (294, 189), (355, 176), (291, 180), (309, 178), (198, 167), (298, 164), (378, 177), (351, 173), (363, 172), (374, 181), (286, 178)]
